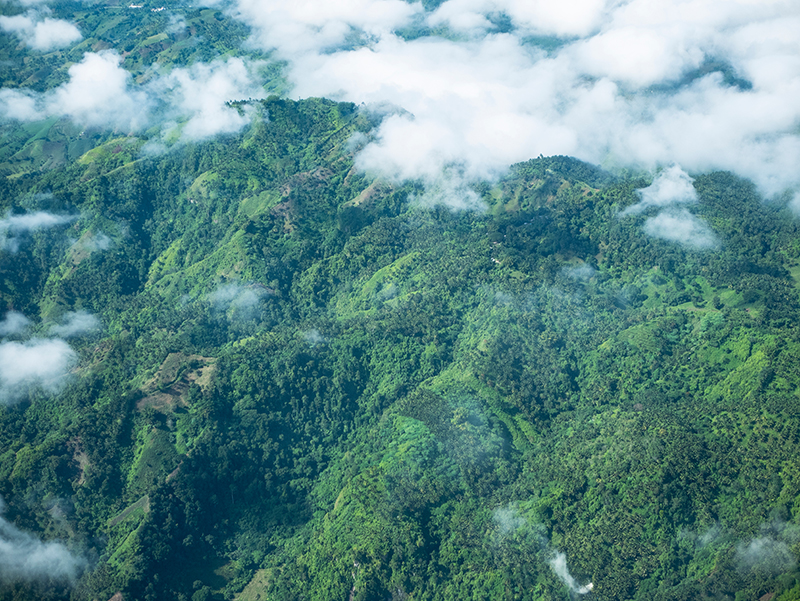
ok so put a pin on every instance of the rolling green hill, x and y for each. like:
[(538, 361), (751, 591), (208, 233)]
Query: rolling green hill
[(309, 385)]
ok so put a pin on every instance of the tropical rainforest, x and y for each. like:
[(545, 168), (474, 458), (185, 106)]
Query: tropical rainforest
[(283, 377)]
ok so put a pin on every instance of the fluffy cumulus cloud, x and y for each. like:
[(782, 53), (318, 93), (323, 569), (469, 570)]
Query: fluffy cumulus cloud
[(101, 93), (13, 227), (635, 83), (24, 558), (33, 365), (481, 84), (41, 32), (98, 93)]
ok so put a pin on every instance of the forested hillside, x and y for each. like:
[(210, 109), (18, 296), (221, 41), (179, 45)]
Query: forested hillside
[(243, 369)]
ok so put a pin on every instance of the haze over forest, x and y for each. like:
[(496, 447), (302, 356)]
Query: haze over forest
[(378, 299)]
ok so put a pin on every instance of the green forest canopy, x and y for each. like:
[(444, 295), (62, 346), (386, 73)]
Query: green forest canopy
[(308, 385)]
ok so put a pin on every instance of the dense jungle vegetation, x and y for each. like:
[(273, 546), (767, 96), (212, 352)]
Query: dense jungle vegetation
[(309, 385)]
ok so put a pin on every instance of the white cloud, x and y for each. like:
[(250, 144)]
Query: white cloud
[(35, 364), (559, 564), (13, 323), (201, 92), (569, 18), (509, 522), (765, 553), (33, 221), (19, 105), (93, 242), (313, 25), (618, 83), (681, 227), (508, 519), (177, 24), (237, 301), (634, 83), (13, 226), (76, 323), (582, 272), (658, 55), (673, 185), (100, 93), (449, 189), (41, 33), (314, 337), (54, 33), (25, 558)]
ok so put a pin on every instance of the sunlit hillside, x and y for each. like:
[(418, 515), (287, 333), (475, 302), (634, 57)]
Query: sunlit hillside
[(291, 310)]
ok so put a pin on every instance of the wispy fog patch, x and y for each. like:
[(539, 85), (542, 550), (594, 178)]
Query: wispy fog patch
[(40, 32), (635, 84), (508, 519), (93, 242), (766, 554), (503, 299), (450, 189), (33, 365), (389, 291), (559, 565), (177, 24), (794, 203), (356, 142), (13, 227), (237, 301), (314, 337), (76, 323), (709, 536), (681, 227), (13, 323), (582, 272), (512, 524), (770, 551), (673, 185), (25, 558)]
